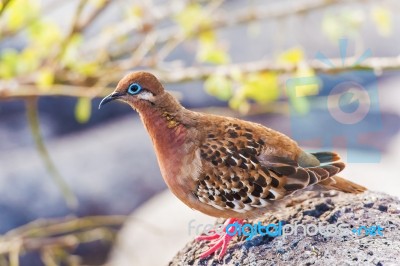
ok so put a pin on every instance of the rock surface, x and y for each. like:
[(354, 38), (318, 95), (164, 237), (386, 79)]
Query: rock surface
[(367, 209)]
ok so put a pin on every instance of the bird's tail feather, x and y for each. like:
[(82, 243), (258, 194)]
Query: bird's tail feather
[(341, 184), (326, 157)]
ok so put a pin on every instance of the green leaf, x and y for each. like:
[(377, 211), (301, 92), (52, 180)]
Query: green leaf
[(293, 56), (135, 15), (20, 12), (70, 56), (29, 60), (240, 104), (45, 78), (383, 20), (83, 109), (304, 71), (344, 23), (207, 37), (236, 74), (304, 84), (191, 17), (219, 87), (211, 53), (45, 34), (97, 3), (87, 68), (8, 63), (261, 87)]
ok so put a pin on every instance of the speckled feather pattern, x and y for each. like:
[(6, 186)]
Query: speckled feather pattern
[(241, 170)]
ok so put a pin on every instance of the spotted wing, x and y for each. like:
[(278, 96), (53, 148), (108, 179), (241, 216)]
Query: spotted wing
[(236, 175)]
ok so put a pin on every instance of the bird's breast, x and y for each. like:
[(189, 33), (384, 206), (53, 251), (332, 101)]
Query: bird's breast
[(174, 152)]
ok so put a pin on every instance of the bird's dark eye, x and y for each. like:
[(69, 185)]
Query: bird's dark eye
[(134, 88)]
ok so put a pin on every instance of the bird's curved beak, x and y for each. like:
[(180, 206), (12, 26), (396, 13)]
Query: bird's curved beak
[(113, 96)]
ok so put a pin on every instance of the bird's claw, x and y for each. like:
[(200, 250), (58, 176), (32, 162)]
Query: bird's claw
[(217, 241)]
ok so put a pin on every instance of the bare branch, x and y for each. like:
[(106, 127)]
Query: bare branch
[(48, 227), (33, 119), (61, 234), (178, 75), (5, 4), (376, 64), (93, 15), (26, 91)]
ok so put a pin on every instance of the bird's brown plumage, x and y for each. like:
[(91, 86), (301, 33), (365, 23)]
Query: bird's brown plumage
[(226, 167)]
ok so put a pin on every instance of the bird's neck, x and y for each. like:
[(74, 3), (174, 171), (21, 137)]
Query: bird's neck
[(168, 135), (163, 128), (164, 124)]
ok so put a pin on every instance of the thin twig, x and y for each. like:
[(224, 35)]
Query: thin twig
[(66, 233), (179, 38), (48, 227), (32, 115), (25, 91), (154, 15), (54, 238), (14, 252), (217, 21), (89, 20), (5, 4), (77, 26)]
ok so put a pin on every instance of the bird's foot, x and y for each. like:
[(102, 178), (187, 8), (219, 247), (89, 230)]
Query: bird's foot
[(219, 240)]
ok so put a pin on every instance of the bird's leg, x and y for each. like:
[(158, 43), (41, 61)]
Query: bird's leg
[(219, 240)]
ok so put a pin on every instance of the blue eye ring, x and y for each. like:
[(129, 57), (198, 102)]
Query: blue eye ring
[(134, 89)]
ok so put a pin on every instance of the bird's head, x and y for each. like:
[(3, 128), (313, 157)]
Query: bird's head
[(138, 89)]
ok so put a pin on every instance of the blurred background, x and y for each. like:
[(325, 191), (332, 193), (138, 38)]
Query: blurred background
[(325, 73)]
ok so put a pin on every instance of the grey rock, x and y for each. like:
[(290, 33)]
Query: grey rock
[(366, 209)]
